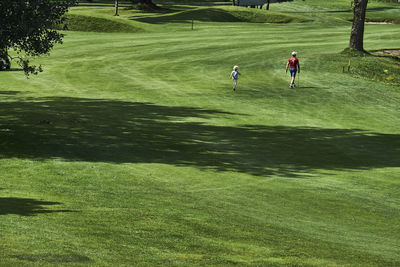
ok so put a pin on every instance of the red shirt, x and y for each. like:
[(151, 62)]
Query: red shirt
[(293, 61)]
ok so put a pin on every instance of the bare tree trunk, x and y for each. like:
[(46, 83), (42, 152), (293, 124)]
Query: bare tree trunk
[(357, 30), (267, 4), (116, 8)]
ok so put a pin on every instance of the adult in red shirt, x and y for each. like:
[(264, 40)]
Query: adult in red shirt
[(293, 65)]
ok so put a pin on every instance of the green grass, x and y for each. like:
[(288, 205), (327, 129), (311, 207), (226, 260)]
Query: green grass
[(93, 24), (222, 14), (131, 148)]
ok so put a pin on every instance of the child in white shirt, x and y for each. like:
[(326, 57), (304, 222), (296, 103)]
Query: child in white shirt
[(234, 76)]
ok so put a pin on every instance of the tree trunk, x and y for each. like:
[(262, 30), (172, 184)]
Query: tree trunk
[(357, 30), (116, 8), (267, 4)]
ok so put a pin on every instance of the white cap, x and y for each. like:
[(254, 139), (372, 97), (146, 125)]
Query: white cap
[(294, 53)]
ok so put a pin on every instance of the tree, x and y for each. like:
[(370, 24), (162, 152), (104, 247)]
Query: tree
[(116, 8), (27, 28), (357, 29)]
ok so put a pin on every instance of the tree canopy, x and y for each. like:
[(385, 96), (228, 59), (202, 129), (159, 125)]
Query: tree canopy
[(27, 28)]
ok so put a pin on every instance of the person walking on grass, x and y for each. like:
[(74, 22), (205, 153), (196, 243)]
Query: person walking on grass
[(294, 66), (234, 76)]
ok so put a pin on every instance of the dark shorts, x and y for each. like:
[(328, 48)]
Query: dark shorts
[(293, 72)]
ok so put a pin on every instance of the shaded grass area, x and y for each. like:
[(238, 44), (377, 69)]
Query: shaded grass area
[(223, 14), (202, 14), (124, 132), (96, 3), (51, 258), (26, 206)]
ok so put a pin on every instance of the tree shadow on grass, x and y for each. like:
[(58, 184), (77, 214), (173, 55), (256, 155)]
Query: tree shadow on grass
[(53, 258), (205, 14), (13, 69), (25, 206), (382, 8), (111, 131), (101, 3), (9, 92)]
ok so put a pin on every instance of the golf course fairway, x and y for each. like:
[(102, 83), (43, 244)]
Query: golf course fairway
[(131, 149)]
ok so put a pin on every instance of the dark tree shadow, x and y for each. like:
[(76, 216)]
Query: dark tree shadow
[(125, 132), (206, 14), (337, 11), (101, 3), (53, 258), (9, 92), (25, 206), (309, 87), (345, 10), (12, 69), (382, 8), (15, 69)]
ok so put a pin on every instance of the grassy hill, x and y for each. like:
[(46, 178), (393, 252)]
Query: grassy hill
[(132, 149)]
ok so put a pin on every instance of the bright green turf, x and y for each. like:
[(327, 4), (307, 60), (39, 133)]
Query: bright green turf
[(132, 149)]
